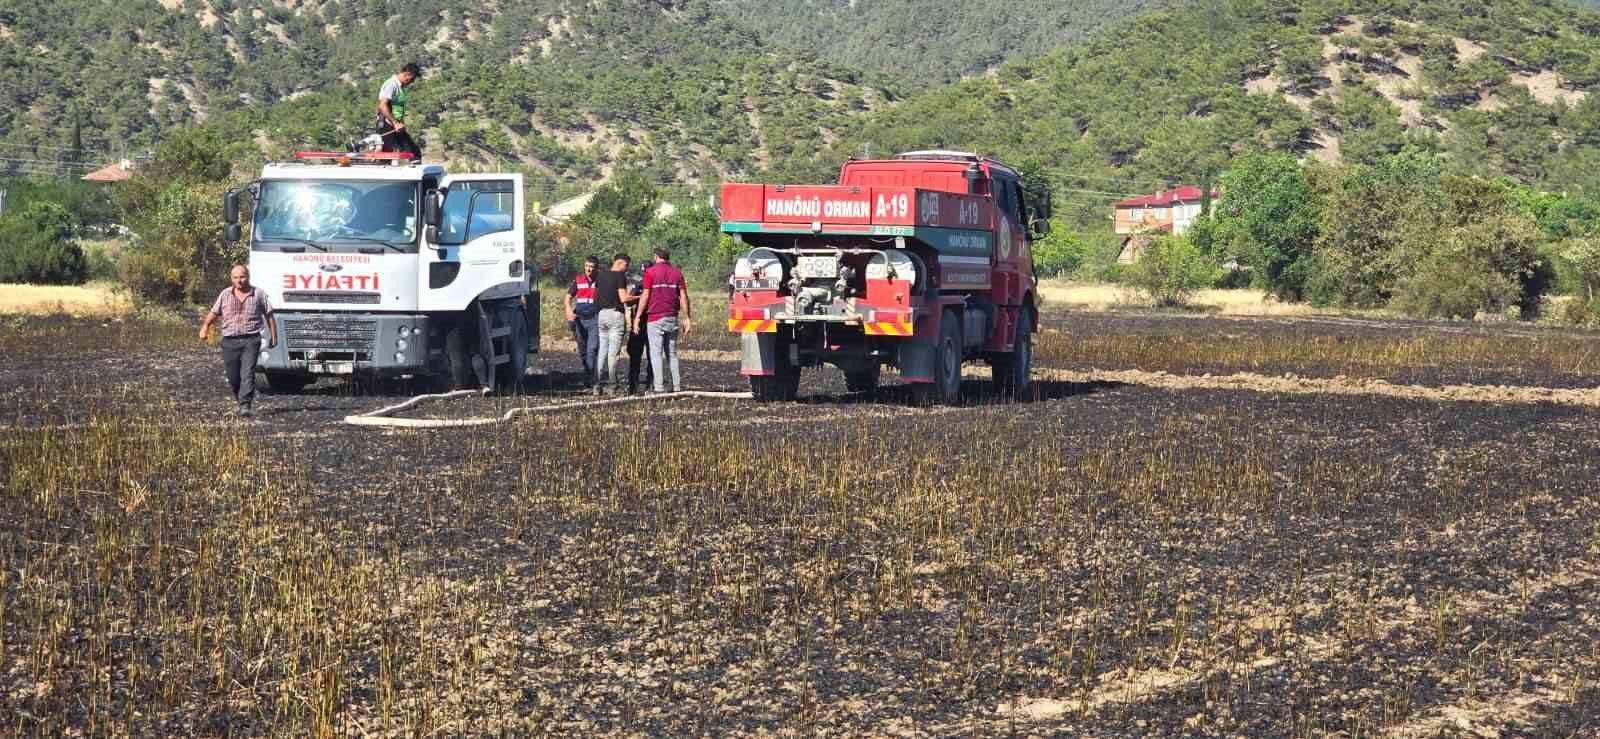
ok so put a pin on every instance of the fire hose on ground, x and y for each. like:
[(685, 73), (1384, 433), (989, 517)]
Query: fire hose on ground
[(384, 416)]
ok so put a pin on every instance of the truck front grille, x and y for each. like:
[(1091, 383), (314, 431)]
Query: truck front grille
[(342, 298), (330, 334)]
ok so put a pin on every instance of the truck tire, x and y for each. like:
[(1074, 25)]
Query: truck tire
[(285, 383), (946, 386), (863, 380), (1013, 372), (783, 384), (508, 377), (458, 358)]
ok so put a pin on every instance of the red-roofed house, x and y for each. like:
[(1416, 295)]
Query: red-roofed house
[(115, 172), (1140, 219), (1175, 208)]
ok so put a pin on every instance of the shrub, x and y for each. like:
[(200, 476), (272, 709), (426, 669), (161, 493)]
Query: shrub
[(36, 246), (102, 260), (1171, 271), (162, 273), (180, 256)]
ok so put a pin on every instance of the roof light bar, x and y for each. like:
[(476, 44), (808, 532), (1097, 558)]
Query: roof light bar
[(345, 159)]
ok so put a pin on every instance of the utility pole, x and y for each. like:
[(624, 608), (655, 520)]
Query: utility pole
[(76, 154)]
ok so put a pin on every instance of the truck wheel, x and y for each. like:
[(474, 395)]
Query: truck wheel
[(283, 383), (1013, 372), (782, 386), (459, 359), (864, 380), (946, 385), (784, 382), (508, 377)]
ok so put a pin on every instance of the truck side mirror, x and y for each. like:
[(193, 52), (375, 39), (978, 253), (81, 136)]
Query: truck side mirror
[(232, 232), (974, 175), (230, 208), (1041, 227), (431, 208)]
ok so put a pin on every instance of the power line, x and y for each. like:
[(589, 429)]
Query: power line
[(20, 145)]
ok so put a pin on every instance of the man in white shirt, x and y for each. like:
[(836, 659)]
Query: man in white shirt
[(392, 111)]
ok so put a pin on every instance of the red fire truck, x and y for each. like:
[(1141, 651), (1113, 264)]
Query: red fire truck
[(921, 262)]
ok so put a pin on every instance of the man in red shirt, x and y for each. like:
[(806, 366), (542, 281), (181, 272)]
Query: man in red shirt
[(665, 296)]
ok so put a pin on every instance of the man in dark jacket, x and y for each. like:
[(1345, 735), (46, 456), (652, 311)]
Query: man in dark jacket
[(637, 356)]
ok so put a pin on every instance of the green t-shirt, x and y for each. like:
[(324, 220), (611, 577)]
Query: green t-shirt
[(395, 93)]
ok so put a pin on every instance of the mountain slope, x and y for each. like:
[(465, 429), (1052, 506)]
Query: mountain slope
[(929, 43), (1503, 87), (568, 88)]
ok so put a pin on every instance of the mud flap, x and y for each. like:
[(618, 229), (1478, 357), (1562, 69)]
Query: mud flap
[(916, 360), (758, 354)]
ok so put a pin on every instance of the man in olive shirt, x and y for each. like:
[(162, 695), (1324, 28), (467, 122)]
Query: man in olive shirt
[(243, 309)]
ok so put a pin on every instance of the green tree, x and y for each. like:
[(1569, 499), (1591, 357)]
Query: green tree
[(1060, 252), (630, 197), (1376, 224), (1268, 219), (1580, 263), (1482, 266)]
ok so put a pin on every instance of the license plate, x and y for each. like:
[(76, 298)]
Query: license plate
[(817, 267), (744, 284), (334, 368)]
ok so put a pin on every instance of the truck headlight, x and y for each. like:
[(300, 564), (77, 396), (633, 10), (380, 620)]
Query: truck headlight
[(264, 355), (400, 357), (401, 344)]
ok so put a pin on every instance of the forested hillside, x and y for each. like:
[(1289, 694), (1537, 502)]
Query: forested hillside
[(567, 89), (926, 43), (697, 90), (1501, 87)]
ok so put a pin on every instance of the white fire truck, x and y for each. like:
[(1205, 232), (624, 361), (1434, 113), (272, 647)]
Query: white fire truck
[(379, 266)]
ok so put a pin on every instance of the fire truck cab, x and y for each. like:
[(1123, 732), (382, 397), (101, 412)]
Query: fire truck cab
[(377, 265)]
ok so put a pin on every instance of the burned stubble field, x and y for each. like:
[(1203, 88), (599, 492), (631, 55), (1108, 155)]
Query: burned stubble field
[(1198, 526)]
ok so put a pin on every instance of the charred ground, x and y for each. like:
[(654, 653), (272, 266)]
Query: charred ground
[(1114, 558)]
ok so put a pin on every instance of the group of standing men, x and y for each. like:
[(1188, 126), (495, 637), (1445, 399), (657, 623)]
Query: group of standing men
[(609, 309)]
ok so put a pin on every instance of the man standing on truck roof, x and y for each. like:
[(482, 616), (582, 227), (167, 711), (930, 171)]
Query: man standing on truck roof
[(392, 111), (243, 308), (637, 356), (664, 296), (581, 316), (610, 295)]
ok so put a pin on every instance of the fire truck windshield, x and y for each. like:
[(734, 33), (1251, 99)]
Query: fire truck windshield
[(337, 214)]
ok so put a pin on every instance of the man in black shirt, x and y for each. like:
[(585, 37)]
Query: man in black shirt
[(610, 295)]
